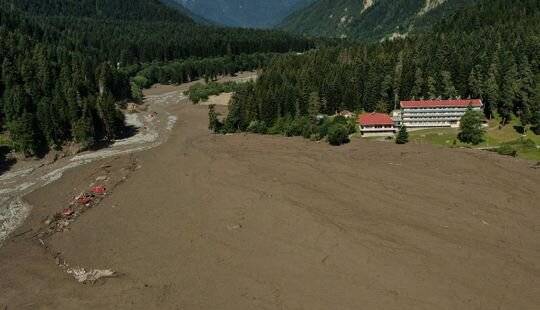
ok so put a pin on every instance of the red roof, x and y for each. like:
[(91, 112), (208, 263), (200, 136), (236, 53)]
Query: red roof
[(457, 103), (372, 119)]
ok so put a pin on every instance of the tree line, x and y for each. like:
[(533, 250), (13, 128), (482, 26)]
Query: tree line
[(66, 64), (489, 51)]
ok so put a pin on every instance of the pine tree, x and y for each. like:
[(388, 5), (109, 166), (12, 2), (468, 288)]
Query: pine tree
[(396, 86), (111, 118), (213, 122), (386, 93), (314, 105), (471, 130), (417, 90), (83, 130), (525, 92), (402, 136), (509, 90), (491, 91), (449, 90), (432, 88), (24, 135), (475, 82)]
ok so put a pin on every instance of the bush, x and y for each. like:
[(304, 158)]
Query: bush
[(298, 127), (257, 127), (279, 126), (142, 81), (507, 150), (338, 134)]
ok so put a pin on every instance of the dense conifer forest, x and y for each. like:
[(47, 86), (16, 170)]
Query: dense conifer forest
[(490, 51), (65, 64)]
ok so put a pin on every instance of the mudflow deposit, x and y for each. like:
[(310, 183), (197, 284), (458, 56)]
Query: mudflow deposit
[(206, 221)]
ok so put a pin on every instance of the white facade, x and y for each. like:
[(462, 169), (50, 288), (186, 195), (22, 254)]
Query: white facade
[(428, 117), (377, 130)]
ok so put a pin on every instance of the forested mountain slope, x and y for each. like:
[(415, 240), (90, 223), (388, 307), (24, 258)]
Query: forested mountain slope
[(146, 10), (244, 13), (489, 51), (65, 63), (370, 19), (177, 5)]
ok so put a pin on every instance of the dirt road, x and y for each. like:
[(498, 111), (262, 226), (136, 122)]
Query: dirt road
[(259, 222)]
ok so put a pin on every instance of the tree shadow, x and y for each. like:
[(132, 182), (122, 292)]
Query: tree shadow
[(6, 162), (519, 129), (127, 132)]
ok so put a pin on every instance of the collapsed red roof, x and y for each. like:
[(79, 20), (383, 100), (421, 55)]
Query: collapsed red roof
[(454, 103), (372, 119)]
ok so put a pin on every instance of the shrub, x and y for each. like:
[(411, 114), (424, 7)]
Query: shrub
[(257, 127), (507, 150), (142, 81), (338, 134), (279, 126)]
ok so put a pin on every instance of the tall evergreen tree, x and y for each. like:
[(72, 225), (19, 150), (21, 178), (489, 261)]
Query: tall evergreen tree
[(418, 88), (402, 136), (449, 91), (475, 83), (471, 130), (491, 91), (314, 105), (509, 90), (431, 87)]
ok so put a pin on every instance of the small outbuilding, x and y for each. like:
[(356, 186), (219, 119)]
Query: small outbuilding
[(376, 125)]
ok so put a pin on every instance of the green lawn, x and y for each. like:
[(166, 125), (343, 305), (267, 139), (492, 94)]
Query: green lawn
[(495, 137)]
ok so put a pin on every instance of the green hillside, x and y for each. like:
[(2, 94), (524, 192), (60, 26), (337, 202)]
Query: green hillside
[(490, 50), (370, 19)]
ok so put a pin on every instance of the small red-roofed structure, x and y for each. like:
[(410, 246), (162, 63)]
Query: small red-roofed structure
[(376, 124)]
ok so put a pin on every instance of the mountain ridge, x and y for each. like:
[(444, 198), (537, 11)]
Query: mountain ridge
[(243, 13), (369, 19)]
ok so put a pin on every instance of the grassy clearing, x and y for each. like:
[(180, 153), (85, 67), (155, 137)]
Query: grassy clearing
[(201, 92), (496, 136)]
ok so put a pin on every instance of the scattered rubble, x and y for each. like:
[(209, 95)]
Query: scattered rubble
[(90, 276)]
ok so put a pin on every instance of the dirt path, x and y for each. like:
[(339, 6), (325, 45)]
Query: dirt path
[(258, 222)]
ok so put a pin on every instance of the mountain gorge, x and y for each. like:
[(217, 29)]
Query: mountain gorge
[(370, 19), (244, 13)]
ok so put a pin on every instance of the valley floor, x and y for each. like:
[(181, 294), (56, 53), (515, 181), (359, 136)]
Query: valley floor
[(209, 221)]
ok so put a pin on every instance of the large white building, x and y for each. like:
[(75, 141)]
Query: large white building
[(434, 113)]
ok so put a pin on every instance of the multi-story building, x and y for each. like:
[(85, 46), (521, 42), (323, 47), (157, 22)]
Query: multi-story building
[(376, 124), (434, 113)]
